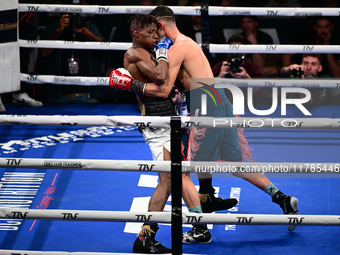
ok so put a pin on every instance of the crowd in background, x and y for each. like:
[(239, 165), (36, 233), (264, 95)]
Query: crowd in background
[(320, 30)]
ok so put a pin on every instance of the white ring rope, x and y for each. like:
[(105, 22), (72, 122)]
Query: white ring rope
[(58, 44), (181, 10), (273, 48), (157, 121), (213, 48), (104, 81), (100, 9), (165, 166), (165, 217)]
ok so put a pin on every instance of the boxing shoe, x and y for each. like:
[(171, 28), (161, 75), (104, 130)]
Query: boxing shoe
[(198, 234), (146, 243), (22, 99), (288, 204), (210, 203)]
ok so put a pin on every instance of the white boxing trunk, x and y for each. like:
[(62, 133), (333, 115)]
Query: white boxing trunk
[(157, 138)]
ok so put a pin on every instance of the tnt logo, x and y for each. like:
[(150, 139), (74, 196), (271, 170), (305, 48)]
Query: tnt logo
[(32, 8), (19, 215), (308, 48), (244, 219), (192, 124), (295, 220), (102, 80), (31, 78), (145, 167), (142, 124), (269, 84), (271, 47), (234, 47), (193, 219), (70, 215), (272, 13), (142, 217), (13, 161), (102, 9)]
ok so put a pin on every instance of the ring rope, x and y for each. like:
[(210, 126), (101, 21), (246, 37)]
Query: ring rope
[(165, 217), (165, 166), (181, 10), (157, 121), (104, 81), (213, 48)]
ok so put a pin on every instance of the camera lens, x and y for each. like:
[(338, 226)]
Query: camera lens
[(295, 73), (235, 62)]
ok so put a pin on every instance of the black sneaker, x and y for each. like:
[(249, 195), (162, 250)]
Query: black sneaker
[(210, 203), (288, 204), (198, 234), (146, 243)]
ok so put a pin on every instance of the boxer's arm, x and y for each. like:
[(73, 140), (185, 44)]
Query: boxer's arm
[(157, 73), (176, 58)]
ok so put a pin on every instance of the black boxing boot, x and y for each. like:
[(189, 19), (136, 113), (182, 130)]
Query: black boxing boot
[(146, 243), (210, 203), (288, 204)]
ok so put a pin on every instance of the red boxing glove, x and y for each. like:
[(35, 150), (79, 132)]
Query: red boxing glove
[(121, 79)]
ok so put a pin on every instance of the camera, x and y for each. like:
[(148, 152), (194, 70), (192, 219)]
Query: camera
[(236, 61), (298, 74), (76, 20)]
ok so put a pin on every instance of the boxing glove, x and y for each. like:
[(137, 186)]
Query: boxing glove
[(121, 79), (164, 43)]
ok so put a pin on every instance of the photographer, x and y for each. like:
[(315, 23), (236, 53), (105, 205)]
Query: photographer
[(309, 68), (70, 62), (239, 66)]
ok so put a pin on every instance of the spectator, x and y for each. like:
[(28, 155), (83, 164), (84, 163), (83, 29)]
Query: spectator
[(247, 70), (69, 62), (225, 21), (310, 68), (322, 35), (253, 35), (191, 26)]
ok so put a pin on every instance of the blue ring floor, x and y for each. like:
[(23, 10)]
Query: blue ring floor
[(130, 191)]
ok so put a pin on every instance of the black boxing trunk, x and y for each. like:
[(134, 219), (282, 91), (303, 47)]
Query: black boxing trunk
[(158, 107)]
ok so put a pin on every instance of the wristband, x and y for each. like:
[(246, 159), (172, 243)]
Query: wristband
[(162, 53), (137, 87)]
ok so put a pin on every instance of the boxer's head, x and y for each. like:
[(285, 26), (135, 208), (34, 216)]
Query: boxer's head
[(143, 28)]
